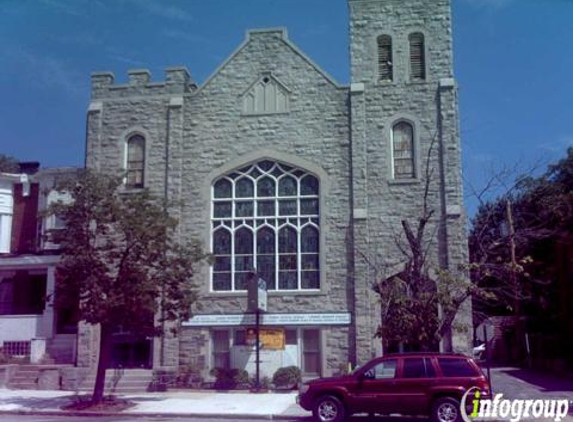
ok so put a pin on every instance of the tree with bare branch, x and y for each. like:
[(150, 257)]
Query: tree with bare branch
[(420, 302)]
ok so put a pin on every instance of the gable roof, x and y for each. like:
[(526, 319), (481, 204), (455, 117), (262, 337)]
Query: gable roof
[(282, 35)]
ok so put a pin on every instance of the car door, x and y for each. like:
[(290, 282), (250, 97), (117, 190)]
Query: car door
[(415, 380), (376, 390)]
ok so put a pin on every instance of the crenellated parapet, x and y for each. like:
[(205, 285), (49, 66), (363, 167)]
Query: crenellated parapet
[(177, 81)]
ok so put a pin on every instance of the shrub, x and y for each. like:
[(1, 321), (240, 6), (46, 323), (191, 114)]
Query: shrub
[(227, 379), (288, 377), (265, 383), (240, 376)]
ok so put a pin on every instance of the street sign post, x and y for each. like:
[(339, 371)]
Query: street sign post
[(257, 293), (257, 303)]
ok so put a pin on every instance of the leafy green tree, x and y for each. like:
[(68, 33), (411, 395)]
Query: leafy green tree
[(540, 210), (8, 164), (121, 259)]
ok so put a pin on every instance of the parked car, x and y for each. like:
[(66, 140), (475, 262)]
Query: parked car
[(479, 351), (413, 384)]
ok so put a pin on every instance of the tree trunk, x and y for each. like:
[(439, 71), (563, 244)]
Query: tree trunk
[(103, 361)]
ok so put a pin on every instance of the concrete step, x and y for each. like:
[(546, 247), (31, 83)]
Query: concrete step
[(27, 376), (129, 381)]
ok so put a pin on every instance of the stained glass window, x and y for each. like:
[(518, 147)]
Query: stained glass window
[(135, 161), (403, 151), (265, 216)]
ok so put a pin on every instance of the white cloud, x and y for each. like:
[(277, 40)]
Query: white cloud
[(185, 36), (45, 71), (127, 60), (160, 9)]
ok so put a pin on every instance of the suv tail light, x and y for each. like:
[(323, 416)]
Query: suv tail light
[(483, 385)]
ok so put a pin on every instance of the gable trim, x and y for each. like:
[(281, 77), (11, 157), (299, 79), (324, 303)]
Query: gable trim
[(260, 78), (284, 37)]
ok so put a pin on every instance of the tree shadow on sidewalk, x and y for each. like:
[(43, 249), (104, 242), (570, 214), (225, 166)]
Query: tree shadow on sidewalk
[(546, 382), (37, 403)]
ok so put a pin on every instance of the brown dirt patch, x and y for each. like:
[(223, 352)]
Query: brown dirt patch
[(109, 404)]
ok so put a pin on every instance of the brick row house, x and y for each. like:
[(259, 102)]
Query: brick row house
[(30, 327)]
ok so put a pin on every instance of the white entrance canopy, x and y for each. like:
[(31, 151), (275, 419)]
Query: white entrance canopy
[(229, 320)]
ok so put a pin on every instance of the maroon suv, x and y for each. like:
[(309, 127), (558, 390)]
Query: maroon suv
[(409, 384)]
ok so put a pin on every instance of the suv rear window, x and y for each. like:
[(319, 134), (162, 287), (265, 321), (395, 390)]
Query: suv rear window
[(457, 368), (418, 368)]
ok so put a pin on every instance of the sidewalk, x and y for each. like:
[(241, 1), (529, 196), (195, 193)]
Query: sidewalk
[(517, 383), (512, 382), (177, 403)]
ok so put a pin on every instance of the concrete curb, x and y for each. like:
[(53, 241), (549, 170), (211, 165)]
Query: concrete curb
[(243, 416)]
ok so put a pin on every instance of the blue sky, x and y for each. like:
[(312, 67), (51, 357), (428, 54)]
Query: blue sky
[(513, 63)]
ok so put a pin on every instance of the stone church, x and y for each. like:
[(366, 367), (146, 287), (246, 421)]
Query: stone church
[(280, 168)]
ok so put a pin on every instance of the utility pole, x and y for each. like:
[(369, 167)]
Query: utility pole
[(512, 274)]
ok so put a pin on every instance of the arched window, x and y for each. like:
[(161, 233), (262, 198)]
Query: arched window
[(266, 216), (403, 151), (385, 65), (135, 161), (417, 56)]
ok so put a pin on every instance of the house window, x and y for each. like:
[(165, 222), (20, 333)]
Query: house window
[(22, 293), (403, 151), (6, 210), (221, 354), (311, 351), (59, 222), (417, 57), (5, 232), (135, 161), (265, 216), (385, 65)]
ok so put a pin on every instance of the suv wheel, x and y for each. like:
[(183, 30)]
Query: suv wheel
[(328, 409), (446, 409)]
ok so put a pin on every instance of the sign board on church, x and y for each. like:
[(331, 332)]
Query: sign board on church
[(270, 338), (230, 320)]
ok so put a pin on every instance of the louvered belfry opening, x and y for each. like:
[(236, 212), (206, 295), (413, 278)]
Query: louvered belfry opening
[(417, 56), (385, 66)]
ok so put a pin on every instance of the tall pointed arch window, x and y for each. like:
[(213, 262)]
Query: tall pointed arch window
[(417, 56), (135, 161), (385, 64), (266, 216), (403, 163)]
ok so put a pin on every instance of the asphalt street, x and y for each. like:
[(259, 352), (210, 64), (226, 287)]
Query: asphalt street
[(26, 418)]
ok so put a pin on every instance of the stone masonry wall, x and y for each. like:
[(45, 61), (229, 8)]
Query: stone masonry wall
[(191, 134), (342, 135), (431, 106), (312, 135)]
